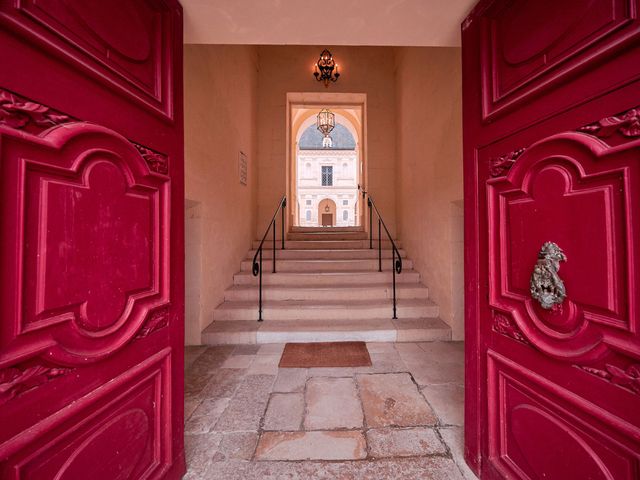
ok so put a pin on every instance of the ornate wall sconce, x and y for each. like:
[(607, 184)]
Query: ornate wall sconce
[(326, 69)]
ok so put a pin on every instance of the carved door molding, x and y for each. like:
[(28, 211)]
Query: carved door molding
[(71, 314), (552, 221), (91, 201)]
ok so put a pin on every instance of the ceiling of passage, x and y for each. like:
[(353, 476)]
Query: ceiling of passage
[(420, 23)]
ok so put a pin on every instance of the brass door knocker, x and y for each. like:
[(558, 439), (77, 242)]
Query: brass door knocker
[(546, 285)]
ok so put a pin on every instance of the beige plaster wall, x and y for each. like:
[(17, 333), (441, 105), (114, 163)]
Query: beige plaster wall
[(429, 186), (368, 70), (220, 90)]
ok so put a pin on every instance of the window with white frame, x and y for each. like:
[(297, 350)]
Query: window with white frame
[(327, 176), (345, 202), (345, 215), (308, 215)]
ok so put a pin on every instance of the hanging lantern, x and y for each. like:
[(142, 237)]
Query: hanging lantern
[(326, 121)]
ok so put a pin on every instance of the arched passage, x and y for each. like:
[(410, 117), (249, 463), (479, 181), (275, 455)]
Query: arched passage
[(316, 171)]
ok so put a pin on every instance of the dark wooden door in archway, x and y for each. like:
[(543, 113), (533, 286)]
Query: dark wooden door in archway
[(552, 231), (91, 240)]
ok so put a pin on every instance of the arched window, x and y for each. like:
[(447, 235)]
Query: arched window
[(308, 215), (345, 215)]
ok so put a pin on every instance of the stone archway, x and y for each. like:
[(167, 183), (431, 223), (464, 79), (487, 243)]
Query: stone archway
[(327, 213), (350, 111)]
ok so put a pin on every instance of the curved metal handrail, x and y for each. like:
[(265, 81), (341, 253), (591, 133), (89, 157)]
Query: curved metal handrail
[(256, 267), (397, 262)]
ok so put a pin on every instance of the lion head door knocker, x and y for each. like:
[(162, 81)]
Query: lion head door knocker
[(546, 285)]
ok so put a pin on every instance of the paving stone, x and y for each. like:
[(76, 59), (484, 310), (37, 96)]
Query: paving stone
[(236, 446), (199, 425), (226, 451), (452, 351), (191, 353), (194, 383), (384, 363), (429, 372), (246, 349), (404, 442), (393, 400), (238, 361), (199, 451), (290, 380), (408, 348), (332, 403), (264, 365), (223, 383), (284, 412), (247, 405), (340, 445), (381, 347), (454, 438), (417, 468), (206, 416), (190, 404), (211, 359), (331, 372), (271, 349), (447, 401), (211, 409)]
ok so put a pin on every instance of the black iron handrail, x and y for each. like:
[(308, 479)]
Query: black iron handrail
[(396, 263), (257, 258)]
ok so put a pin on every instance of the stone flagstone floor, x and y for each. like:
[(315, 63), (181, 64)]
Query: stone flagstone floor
[(398, 419)]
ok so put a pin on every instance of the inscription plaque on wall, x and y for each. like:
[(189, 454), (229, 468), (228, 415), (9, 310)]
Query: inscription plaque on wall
[(242, 168)]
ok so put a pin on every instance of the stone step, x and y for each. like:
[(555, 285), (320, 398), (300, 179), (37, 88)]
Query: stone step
[(322, 292), (325, 278), (368, 330), (325, 310), (339, 265), (310, 254), (328, 235), (324, 244), (325, 229)]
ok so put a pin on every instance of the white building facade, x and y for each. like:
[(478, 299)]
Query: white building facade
[(327, 180)]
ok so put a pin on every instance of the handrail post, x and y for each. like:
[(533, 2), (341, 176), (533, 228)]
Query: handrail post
[(396, 264), (274, 245), (256, 267), (370, 223), (379, 245), (393, 267), (284, 204), (260, 289)]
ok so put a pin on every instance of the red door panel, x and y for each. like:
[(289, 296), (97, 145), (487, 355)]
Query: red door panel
[(91, 286), (552, 192)]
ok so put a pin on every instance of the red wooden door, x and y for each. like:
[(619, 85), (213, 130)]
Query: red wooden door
[(552, 154), (91, 247)]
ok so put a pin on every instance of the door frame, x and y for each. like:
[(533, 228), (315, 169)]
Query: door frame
[(332, 101)]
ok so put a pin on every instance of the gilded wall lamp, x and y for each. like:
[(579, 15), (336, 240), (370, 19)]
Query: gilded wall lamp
[(326, 69)]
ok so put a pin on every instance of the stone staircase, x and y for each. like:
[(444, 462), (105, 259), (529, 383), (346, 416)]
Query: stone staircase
[(327, 288)]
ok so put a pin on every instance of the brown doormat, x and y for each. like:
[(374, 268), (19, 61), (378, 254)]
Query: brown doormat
[(329, 354)]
